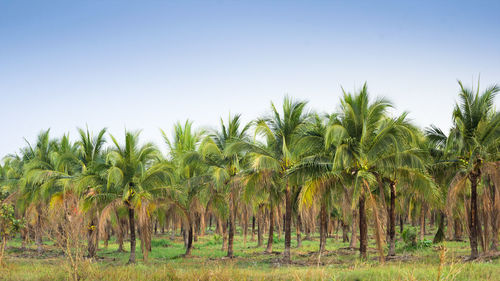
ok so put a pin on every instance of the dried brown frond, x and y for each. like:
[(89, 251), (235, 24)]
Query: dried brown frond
[(107, 211)]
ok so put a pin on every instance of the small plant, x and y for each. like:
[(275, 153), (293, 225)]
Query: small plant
[(216, 241), (9, 226), (276, 239), (409, 236), (160, 243)]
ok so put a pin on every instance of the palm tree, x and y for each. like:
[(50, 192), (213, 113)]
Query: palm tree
[(441, 149), (225, 165), (315, 170), (45, 174), (133, 177), (365, 140), (281, 131), (92, 180), (478, 128), (185, 192)]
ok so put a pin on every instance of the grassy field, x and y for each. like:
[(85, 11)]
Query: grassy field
[(208, 263)]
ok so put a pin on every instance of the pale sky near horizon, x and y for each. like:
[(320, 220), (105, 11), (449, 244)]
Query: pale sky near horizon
[(147, 64)]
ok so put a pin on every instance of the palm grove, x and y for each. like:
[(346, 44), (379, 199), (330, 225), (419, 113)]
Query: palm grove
[(356, 169)]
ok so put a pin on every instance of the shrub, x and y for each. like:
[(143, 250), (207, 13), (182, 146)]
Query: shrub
[(160, 243), (409, 236)]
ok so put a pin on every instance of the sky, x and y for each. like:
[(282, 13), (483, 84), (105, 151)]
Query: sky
[(148, 64)]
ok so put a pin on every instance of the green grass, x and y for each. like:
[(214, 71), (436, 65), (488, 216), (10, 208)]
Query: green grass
[(208, 263)]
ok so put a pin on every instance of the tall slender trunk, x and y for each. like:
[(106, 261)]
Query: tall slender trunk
[(132, 233), (184, 236), (269, 248), (245, 229), (202, 223), (432, 219), (363, 227), (218, 229), (392, 221), (196, 223), (439, 237), (298, 227), (422, 222), (224, 235), (322, 227), (38, 230), (259, 228), (484, 234), (252, 238), (91, 237), (231, 228), (494, 216), (354, 228), (189, 245), (288, 224), (473, 216), (401, 223)]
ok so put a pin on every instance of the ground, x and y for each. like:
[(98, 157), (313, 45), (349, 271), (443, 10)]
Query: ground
[(208, 262)]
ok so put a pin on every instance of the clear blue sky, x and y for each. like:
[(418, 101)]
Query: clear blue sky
[(146, 64)]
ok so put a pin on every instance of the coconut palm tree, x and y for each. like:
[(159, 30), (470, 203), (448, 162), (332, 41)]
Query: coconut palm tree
[(315, 170), (442, 150), (91, 181), (225, 165), (45, 177), (478, 127), (281, 131), (190, 177), (133, 177), (366, 141)]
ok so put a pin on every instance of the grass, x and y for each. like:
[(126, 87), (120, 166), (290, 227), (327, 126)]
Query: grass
[(209, 263)]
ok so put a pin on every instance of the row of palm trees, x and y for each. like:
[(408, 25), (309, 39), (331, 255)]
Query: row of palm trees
[(353, 166)]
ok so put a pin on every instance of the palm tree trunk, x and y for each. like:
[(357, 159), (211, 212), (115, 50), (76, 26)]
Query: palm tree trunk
[(422, 222), (38, 230), (322, 227), (288, 224), (231, 230), (196, 223), (252, 238), (392, 221), (259, 228), (202, 223), (354, 226), (401, 223), (473, 216), (245, 229), (224, 236), (439, 237), (298, 227), (363, 227), (91, 237), (189, 245), (132, 234), (269, 248), (494, 215)]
